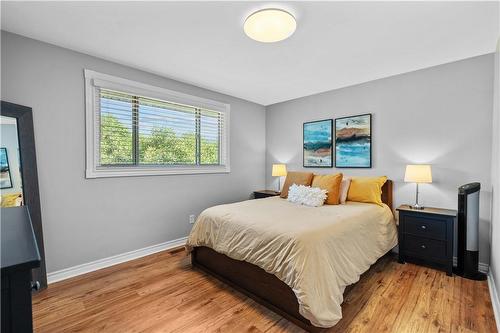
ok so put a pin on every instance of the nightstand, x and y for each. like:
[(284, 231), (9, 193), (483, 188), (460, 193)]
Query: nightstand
[(426, 236), (265, 194)]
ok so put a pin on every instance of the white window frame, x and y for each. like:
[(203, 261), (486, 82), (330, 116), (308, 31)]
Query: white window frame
[(95, 80)]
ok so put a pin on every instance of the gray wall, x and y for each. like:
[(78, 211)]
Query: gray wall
[(89, 219), (495, 177), (9, 140), (441, 116)]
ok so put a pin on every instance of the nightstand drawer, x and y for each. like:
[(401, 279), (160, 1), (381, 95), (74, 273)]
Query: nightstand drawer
[(424, 248), (426, 227)]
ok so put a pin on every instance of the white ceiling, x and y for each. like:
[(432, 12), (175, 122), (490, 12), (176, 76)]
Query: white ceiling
[(336, 44)]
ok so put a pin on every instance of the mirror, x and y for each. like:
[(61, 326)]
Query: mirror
[(11, 182), (18, 172)]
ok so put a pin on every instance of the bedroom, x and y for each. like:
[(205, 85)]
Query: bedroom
[(140, 124)]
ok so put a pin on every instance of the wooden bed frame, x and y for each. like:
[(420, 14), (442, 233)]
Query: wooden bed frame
[(253, 281)]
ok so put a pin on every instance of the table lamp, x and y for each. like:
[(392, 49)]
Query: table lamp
[(420, 173), (279, 170)]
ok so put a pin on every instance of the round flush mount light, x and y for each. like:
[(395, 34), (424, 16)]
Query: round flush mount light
[(270, 25)]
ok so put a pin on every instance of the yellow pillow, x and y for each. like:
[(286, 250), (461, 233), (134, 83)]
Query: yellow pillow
[(366, 189), (294, 177), (331, 183)]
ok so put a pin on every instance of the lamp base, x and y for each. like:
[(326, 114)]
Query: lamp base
[(416, 207)]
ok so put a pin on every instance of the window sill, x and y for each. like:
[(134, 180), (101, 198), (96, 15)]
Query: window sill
[(138, 172)]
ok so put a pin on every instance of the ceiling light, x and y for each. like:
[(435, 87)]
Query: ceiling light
[(270, 25)]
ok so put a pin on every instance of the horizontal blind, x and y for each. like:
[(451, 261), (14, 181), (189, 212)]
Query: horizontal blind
[(116, 128), (137, 130), (210, 137), (167, 133)]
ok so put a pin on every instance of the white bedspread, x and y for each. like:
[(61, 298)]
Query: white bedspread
[(317, 251)]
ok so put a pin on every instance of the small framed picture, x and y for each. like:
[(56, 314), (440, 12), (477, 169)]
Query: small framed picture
[(353, 141), (317, 144)]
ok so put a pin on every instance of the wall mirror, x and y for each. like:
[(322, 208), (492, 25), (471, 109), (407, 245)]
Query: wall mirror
[(18, 171)]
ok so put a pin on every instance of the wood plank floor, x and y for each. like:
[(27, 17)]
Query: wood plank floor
[(162, 293)]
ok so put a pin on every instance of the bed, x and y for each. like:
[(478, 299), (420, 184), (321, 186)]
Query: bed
[(293, 259)]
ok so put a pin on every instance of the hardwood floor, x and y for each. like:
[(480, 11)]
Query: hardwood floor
[(161, 293)]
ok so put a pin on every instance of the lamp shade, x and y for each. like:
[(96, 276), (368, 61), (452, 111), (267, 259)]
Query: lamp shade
[(279, 170), (418, 173)]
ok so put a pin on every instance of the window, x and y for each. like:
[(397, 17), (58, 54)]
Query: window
[(134, 129)]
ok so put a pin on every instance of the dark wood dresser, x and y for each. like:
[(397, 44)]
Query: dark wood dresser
[(426, 236), (19, 256)]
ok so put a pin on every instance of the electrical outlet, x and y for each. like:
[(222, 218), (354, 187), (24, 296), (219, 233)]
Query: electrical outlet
[(192, 218)]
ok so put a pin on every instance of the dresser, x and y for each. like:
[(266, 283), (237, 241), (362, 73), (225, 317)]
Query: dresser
[(19, 256), (426, 236)]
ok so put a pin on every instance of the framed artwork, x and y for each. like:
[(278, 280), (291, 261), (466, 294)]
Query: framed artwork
[(5, 178), (317, 142), (353, 141)]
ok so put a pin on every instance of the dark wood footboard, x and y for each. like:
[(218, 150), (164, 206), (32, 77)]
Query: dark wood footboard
[(254, 282)]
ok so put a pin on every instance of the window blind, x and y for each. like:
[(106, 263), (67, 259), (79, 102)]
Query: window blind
[(116, 128), (143, 131), (210, 137)]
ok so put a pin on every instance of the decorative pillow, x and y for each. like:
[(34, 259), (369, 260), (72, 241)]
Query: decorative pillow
[(344, 188), (366, 189), (306, 195), (330, 183), (294, 177)]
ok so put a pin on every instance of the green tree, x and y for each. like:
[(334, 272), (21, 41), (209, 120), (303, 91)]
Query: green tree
[(116, 141), (209, 151), (162, 146)]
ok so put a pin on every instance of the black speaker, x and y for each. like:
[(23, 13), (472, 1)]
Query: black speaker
[(468, 232)]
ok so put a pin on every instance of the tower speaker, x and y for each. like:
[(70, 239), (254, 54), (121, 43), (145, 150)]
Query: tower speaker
[(468, 232)]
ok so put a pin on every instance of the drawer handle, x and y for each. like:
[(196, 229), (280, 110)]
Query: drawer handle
[(422, 246), (35, 286), (423, 227)]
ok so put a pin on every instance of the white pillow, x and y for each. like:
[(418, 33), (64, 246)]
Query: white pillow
[(344, 189), (306, 195)]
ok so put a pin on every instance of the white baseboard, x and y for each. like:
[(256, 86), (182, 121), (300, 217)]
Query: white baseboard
[(494, 299), (70, 272), (482, 267)]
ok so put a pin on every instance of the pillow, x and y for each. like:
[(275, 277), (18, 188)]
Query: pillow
[(330, 183), (294, 177), (344, 188), (306, 195), (366, 189)]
